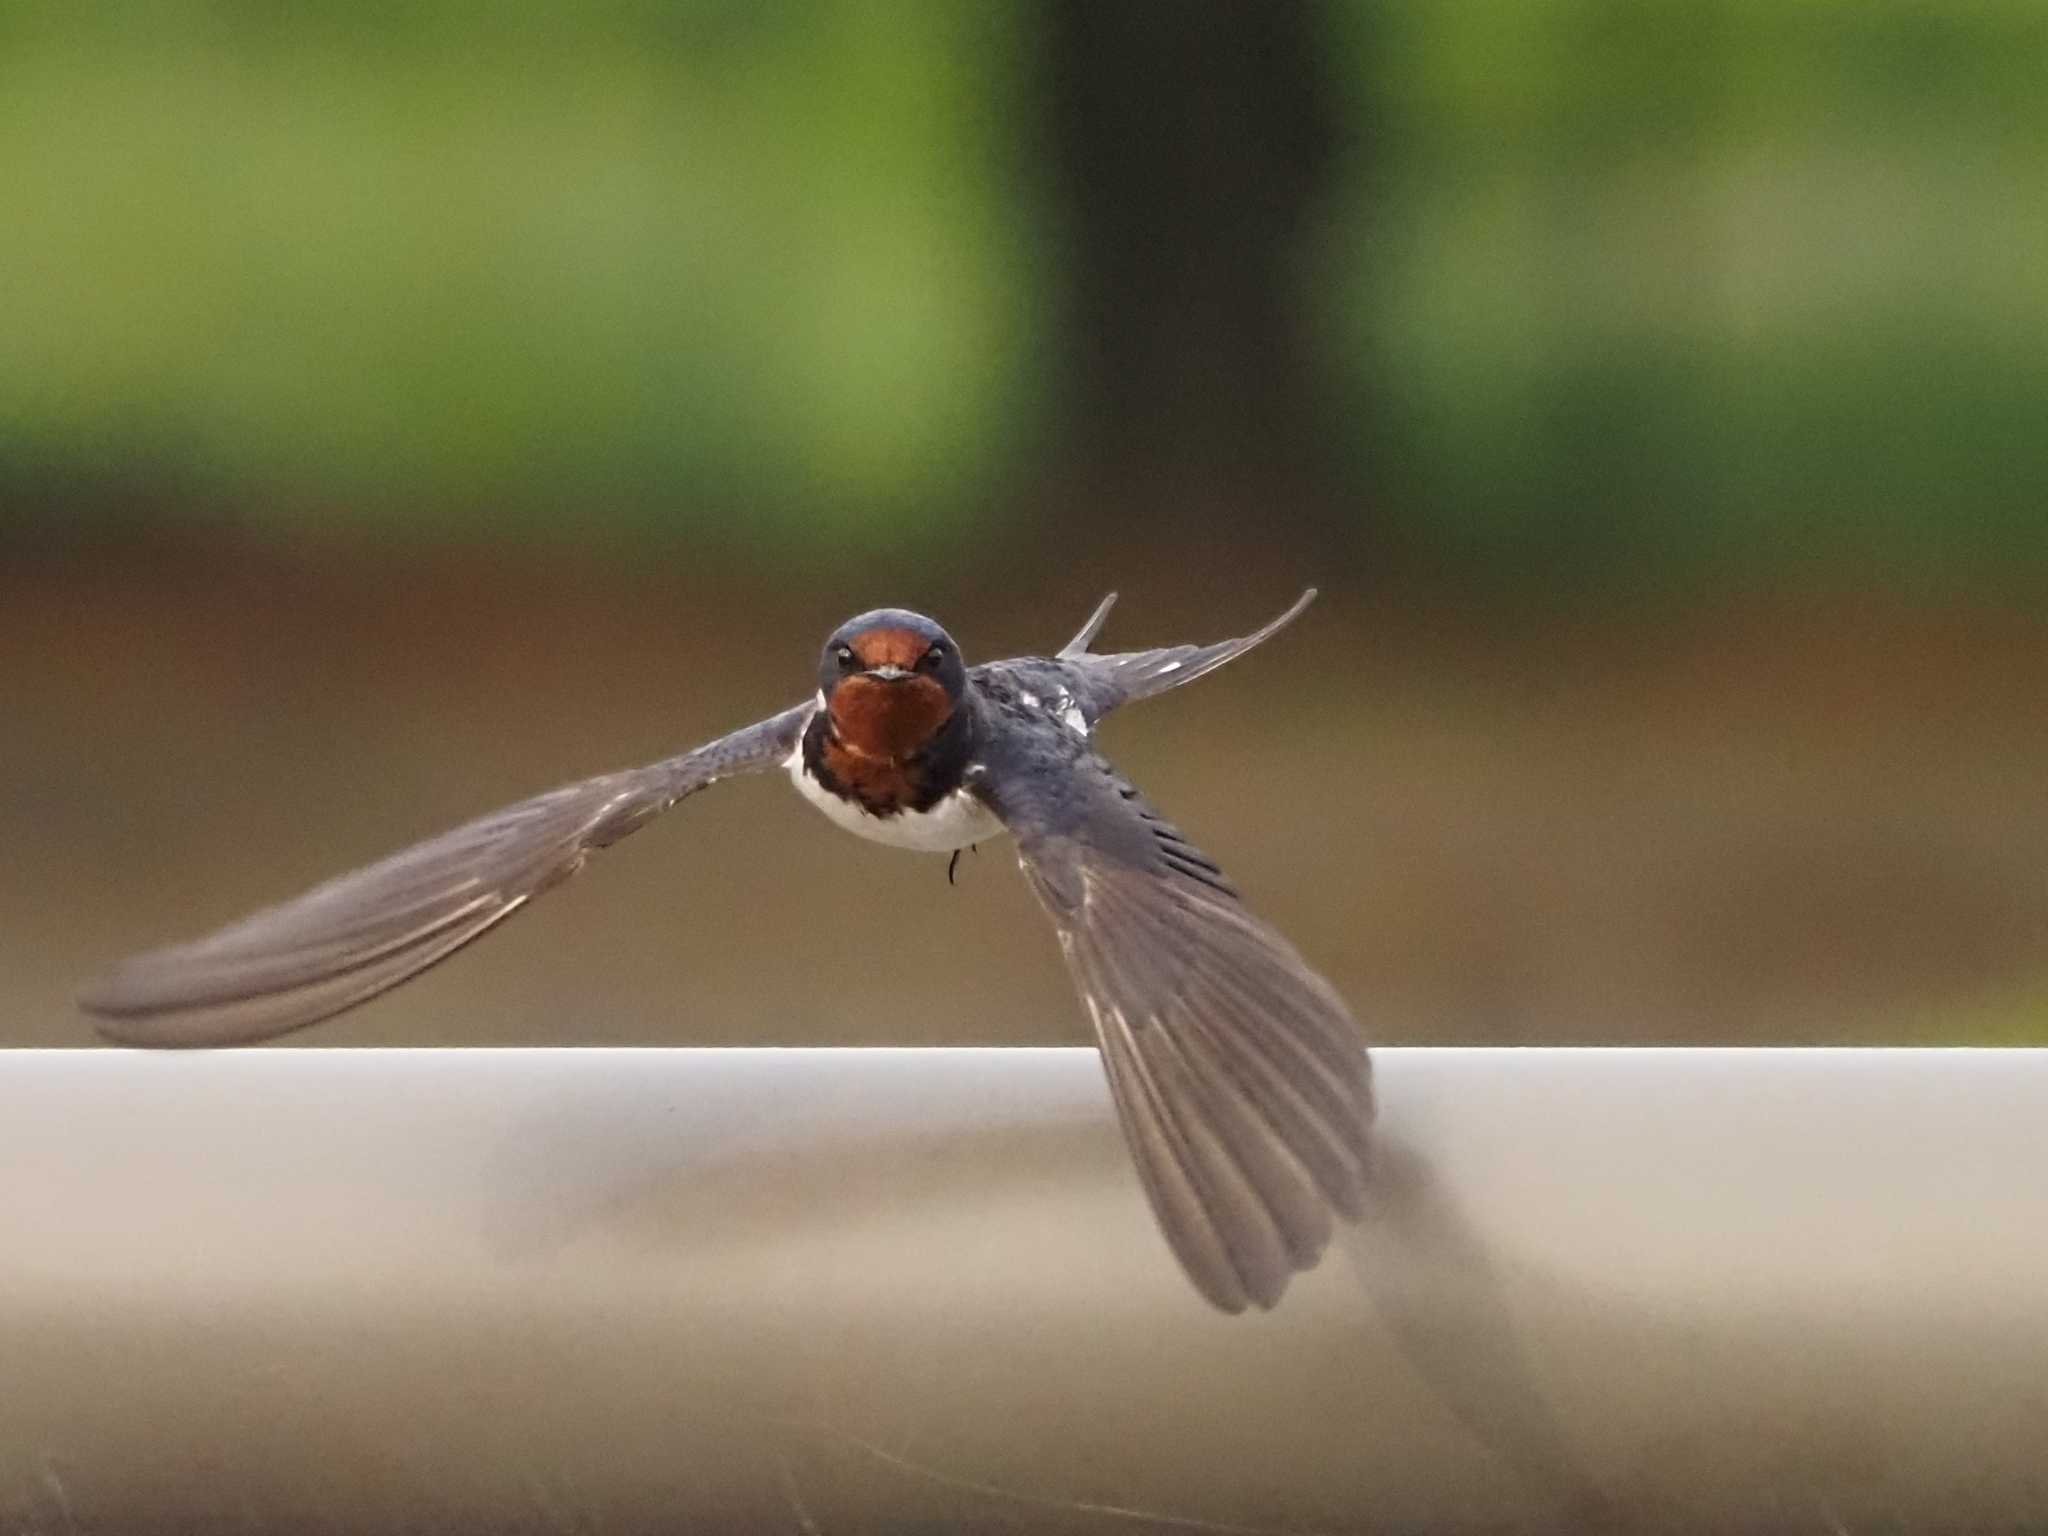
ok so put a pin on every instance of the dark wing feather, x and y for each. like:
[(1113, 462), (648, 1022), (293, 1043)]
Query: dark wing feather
[(1240, 1078), (1106, 682), (346, 941)]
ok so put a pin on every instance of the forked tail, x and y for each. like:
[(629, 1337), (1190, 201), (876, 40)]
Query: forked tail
[(1109, 681)]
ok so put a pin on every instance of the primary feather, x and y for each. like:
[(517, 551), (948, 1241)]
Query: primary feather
[(344, 942)]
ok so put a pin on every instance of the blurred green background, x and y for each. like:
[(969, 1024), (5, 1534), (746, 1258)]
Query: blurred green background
[(403, 407)]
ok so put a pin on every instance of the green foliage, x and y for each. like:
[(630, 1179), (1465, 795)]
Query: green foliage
[(652, 261), (1609, 285), (1748, 282)]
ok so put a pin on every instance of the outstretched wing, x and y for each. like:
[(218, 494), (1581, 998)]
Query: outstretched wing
[(1239, 1076), (1104, 682), (344, 942)]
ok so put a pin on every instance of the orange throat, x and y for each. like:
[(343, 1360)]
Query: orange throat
[(885, 723)]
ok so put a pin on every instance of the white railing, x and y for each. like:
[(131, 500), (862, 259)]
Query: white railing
[(602, 1290)]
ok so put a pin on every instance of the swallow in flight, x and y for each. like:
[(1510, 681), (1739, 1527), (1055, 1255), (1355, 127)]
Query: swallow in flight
[(1240, 1078)]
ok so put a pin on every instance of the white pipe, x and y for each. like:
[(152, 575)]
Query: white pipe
[(830, 1290)]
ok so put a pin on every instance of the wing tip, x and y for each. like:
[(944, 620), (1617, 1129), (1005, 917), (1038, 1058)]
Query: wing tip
[(124, 1010), (106, 999), (1234, 1291), (121, 1022)]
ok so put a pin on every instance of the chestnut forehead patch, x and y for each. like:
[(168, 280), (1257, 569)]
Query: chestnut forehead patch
[(888, 646)]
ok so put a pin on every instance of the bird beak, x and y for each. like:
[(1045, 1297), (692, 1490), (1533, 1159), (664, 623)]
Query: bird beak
[(889, 672)]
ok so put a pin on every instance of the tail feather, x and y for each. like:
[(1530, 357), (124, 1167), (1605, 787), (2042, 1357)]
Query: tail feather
[(1078, 646), (1117, 679)]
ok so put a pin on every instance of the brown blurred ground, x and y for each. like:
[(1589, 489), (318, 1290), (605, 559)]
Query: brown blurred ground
[(1792, 819)]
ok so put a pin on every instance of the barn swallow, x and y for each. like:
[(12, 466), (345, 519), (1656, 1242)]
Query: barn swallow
[(1240, 1079)]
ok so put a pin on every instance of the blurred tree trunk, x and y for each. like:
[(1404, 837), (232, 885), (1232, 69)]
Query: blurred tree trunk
[(1194, 145)]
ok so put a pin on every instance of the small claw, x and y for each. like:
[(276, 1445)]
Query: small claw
[(950, 863)]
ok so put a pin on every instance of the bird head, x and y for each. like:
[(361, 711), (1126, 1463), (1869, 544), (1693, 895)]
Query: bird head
[(890, 680)]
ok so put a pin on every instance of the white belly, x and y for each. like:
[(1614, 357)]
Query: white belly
[(954, 822)]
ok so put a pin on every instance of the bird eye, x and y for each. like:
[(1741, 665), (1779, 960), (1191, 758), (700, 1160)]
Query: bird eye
[(844, 656), (931, 658)]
